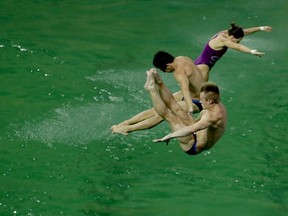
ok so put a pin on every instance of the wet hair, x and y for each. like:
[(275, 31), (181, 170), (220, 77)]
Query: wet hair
[(211, 91), (161, 59), (236, 31)]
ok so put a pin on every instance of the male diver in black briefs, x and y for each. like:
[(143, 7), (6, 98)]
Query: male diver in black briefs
[(193, 135)]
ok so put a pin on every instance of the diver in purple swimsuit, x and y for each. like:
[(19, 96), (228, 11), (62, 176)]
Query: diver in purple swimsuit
[(219, 44)]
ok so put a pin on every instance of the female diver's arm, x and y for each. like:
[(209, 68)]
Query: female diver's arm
[(242, 48), (256, 29)]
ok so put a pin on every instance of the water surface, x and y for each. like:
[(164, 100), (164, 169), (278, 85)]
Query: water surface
[(72, 69)]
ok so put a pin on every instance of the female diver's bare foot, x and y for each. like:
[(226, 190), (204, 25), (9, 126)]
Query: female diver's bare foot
[(121, 129), (150, 82)]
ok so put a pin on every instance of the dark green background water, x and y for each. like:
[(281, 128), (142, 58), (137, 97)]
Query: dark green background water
[(71, 69)]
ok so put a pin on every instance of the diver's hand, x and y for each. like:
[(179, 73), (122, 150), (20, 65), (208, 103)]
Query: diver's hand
[(257, 53), (266, 28), (164, 139)]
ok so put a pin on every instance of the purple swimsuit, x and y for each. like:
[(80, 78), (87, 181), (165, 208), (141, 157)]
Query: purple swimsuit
[(210, 56)]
